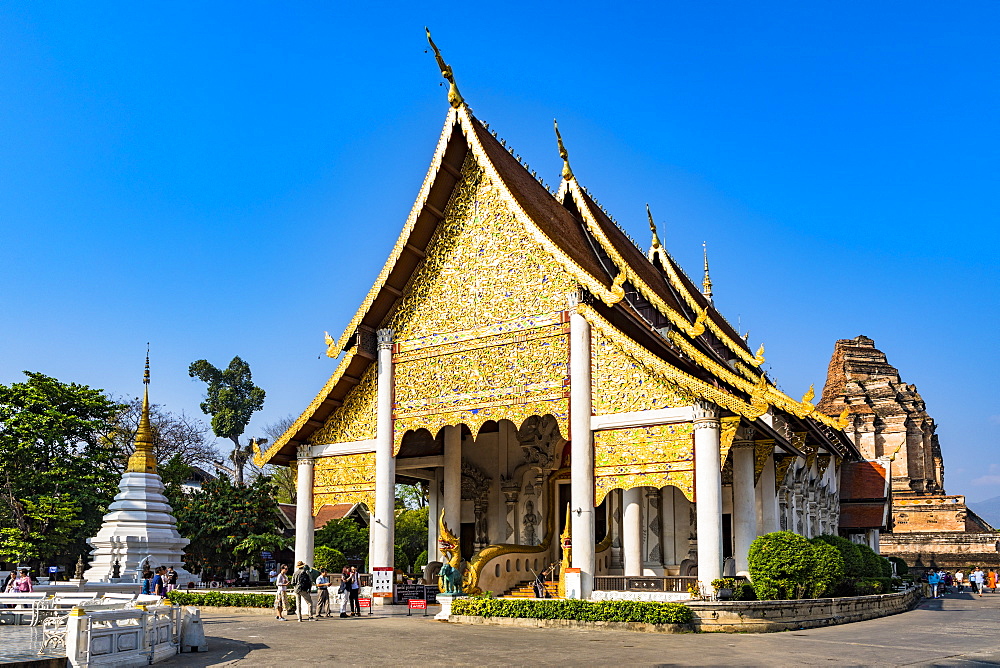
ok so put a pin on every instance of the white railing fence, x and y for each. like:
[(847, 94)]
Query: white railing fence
[(122, 638)]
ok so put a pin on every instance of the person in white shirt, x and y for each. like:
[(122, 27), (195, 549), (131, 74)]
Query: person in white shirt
[(280, 600), (959, 581)]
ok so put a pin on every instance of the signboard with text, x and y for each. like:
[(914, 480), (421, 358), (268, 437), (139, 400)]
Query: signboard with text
[(382, 581)]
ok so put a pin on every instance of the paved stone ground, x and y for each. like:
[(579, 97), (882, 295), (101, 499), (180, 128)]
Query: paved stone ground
[(959, 630)]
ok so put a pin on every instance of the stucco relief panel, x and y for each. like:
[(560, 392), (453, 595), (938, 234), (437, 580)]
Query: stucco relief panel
[(622, 383), (344, 479), (355, 420), (654, 456)]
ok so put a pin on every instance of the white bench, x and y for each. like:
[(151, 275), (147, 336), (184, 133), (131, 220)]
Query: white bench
[(59, 606), (15, 607)]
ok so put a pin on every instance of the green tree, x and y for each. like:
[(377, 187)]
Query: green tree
[(57, 473), (872, 567), (780, 565), (247, 551), (411, 532), (853, 563), (220, 516), (829, 569), (345, 535), (231, 399)]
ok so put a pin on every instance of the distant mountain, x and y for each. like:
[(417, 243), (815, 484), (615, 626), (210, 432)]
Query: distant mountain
[(989, 510)]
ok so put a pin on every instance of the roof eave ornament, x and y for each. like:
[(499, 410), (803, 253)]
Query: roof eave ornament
[(454, 97), (655, 247), (567, 173), (706, 284)]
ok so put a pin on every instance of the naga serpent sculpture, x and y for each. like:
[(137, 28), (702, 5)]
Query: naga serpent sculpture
[(450, 577)]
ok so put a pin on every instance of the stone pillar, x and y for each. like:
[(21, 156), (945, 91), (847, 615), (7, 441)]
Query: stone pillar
[(767, 499), (305, 530), (632, 530), (381, 549), (453, 479), (433, 512), (582, 450), (708, 490), (667, 529), (744, 501), (615, 526)]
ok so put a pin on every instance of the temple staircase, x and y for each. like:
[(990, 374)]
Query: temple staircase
[(526, 590)]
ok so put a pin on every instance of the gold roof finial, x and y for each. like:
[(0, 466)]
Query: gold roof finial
[(652, 228), (567, 173), (454, 97), (706, 284), (143, 460)]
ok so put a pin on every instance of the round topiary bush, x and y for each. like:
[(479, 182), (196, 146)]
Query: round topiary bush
[(780, 565), (901, 567), (329, 558), (853, 563), (420, 562), (829, 568), (872, 562)]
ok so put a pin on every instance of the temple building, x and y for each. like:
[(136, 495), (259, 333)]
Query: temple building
[(525, 357), (888, 421)]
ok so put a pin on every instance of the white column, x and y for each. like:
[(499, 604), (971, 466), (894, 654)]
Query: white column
[(708, 491), (767, 499), (744, 503), (433, 512), (632, 530), (581, 450), (453, 479), (667, 530), (381, 550), (305, 530)]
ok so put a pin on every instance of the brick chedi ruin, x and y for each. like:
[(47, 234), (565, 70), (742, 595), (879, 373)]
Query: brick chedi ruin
[(889, 422)]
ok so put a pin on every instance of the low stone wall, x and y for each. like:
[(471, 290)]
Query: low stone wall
[(741, 616), (571, 624), (765, 616)]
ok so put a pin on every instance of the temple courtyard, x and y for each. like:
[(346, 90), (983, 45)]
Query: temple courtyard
[(956, 630)]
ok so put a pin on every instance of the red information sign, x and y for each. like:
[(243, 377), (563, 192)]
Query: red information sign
[(416, 604), (365, 603)]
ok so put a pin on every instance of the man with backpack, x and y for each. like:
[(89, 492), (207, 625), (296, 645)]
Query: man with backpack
[(302, 583)]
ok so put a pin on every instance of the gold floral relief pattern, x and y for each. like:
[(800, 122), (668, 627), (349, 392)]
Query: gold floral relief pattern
[(823, 461), (728, 426), (781, 466), (621, 383), (481, 267), (762, 450), (491, 378), (344, 479), (654, 456), (355, 420)]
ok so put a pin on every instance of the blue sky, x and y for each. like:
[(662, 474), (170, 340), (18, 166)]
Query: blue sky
[(228, 178)]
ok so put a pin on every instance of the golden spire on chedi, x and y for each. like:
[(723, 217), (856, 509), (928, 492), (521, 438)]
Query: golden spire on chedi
[(567, 173), (143, 460), (706, 285)]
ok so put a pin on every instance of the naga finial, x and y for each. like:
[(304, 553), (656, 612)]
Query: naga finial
[(567, 173), (454, 97), (809, 395), (652, 228), (706, 284)]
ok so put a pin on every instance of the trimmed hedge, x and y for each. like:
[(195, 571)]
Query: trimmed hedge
[(216, 599), (650, 612), (829, 569), (901, 567), (853, 562), (781, 565)]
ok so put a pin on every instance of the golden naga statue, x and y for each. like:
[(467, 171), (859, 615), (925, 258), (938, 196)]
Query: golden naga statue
[(450, 577)]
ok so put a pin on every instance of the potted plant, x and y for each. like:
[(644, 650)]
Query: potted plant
[(723, 588)]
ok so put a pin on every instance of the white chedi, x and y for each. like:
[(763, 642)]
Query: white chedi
[(139, 525)]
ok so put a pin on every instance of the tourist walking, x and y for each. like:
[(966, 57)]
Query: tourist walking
[(934, 580), (991, 579), (280, 600), (303, 583), (978, 577), (147, 582), (8, 583), (959, 581), (159, 584), (354, 587), (323, 587)]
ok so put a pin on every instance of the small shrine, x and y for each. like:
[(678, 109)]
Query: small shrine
[(139, 528)]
